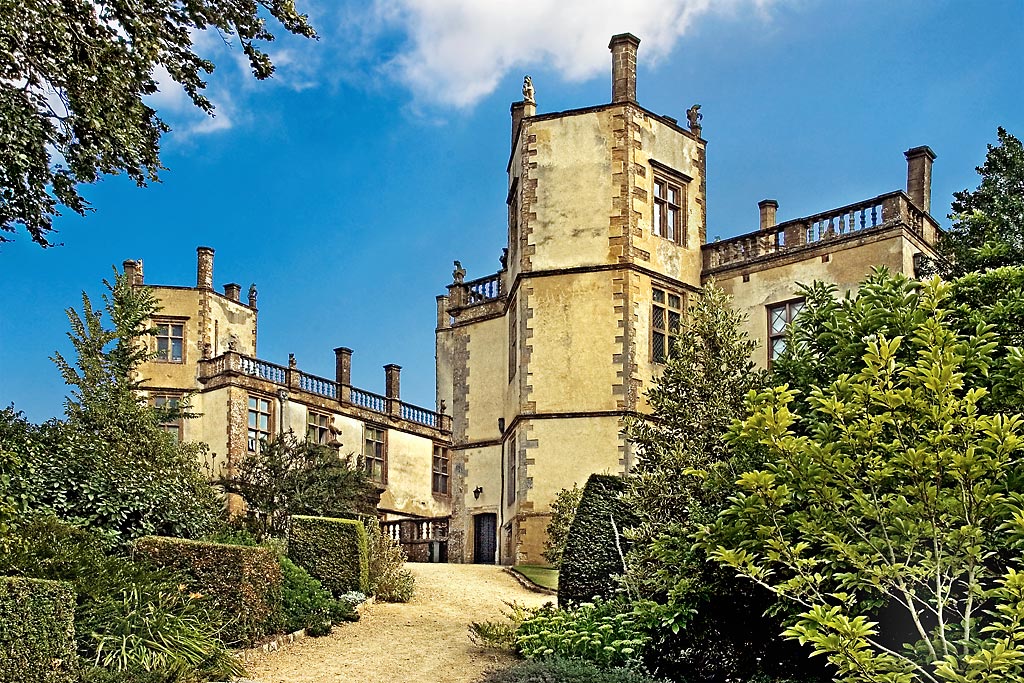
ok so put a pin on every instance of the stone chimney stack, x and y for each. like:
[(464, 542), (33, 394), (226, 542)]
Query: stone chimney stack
[(768, 207), (204, 268), (392, 380), (133, 271), (233, 291), (919, 176), (517, 118), (343, 366), (623, 47)]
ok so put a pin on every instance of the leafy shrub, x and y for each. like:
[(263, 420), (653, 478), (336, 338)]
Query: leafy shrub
[(595, 547), (390, 581), (37, 629), (333, 551), (306, 605), (596, 632), (500, 635), (558, 670), (563, 511), (128, 616), (243, 582)]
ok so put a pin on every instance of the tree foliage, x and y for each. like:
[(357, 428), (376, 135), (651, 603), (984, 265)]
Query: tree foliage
[(289, 476), (563, 510), (889, 508), (110, 466), (73, 75), (988, 222), (708, 626)]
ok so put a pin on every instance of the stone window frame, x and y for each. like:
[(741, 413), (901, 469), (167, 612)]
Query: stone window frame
[(661, 207), (169, 322), (668, 331), (160, 399), (318, 427), (788, 311), (512, 490), (512, 200), (441, 471), (380, 455), (252, 442)]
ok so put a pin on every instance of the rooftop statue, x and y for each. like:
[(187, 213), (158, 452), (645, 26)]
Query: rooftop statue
[(528, 94)]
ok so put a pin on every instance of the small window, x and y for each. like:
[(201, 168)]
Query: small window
[(169, 402), (318, 428), (666, 321), (668, 214), (259, 423), (513, 457), (440, 471), (375, 457), (780, 317), (513, 341), (170, 341)]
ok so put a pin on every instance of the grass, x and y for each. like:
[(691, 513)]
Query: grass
[(546, 577)]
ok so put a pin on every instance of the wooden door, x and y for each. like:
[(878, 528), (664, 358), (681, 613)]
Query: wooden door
[(485, 538)]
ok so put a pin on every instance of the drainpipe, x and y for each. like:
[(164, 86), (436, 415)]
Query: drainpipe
[(501, 495)]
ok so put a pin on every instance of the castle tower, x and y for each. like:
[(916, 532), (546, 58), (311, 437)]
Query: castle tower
[(541, 362)]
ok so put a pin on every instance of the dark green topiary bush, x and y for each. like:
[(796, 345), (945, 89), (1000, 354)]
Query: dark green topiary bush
[(242, 581), (333, 551), (306, 605), (555, 670), (594, 548), (37, 631)]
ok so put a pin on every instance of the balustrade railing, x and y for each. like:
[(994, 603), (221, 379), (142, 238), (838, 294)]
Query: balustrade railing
[(260, 368), (416, 530), (292, 378), (885, 210), (368, 400)]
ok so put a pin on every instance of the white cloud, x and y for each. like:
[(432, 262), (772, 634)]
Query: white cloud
[(457, 51)]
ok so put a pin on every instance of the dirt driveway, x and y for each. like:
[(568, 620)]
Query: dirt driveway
[(424, 641)]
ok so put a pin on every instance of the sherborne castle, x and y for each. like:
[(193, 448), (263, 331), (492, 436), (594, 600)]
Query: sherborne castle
[(538, 364)]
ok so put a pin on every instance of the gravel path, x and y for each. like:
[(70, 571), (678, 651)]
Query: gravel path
[(423, 641)]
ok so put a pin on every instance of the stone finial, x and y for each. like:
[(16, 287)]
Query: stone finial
[(528, 92), (291, 360), (252, 295), (694, 117), (443, 407), (504, 258), (459, 274)]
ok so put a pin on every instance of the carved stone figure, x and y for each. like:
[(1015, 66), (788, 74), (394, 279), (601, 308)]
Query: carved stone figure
[(504, 258), (459, 274), (693, 116), (528, 91), (253, 294)]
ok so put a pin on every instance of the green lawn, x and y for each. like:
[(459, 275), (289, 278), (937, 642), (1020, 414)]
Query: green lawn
[(542, 576)]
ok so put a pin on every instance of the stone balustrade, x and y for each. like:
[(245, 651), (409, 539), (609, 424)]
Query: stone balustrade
[(885, 211)]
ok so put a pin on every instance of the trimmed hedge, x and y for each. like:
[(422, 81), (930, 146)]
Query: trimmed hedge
[(591, 556), (244, 582), (333, 551), (37, 631)]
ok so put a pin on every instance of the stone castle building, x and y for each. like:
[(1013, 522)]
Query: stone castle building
[(538, 364)]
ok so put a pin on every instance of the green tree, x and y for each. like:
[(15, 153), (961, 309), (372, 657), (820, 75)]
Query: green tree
[(563, 510), (289, 476), (889, 508), (710, 626), (110, 466), (73, 75), (988, 222)]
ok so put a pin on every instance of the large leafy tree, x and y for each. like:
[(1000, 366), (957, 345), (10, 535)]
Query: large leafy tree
[(73, 75), (289, 476), (710, 626), (890, 506), (988, 222), (110, 466)]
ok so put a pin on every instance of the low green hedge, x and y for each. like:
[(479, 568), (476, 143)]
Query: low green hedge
[(591, 557), (333, 551), (244, 582), (37, 631)]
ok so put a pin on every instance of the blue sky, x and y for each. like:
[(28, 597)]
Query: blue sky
[(345, 186)]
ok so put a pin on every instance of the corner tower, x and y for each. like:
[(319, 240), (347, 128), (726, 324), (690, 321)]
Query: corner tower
[(542, 361)]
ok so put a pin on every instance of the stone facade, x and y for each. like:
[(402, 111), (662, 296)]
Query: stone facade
[(541, 362), (211, 356)]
